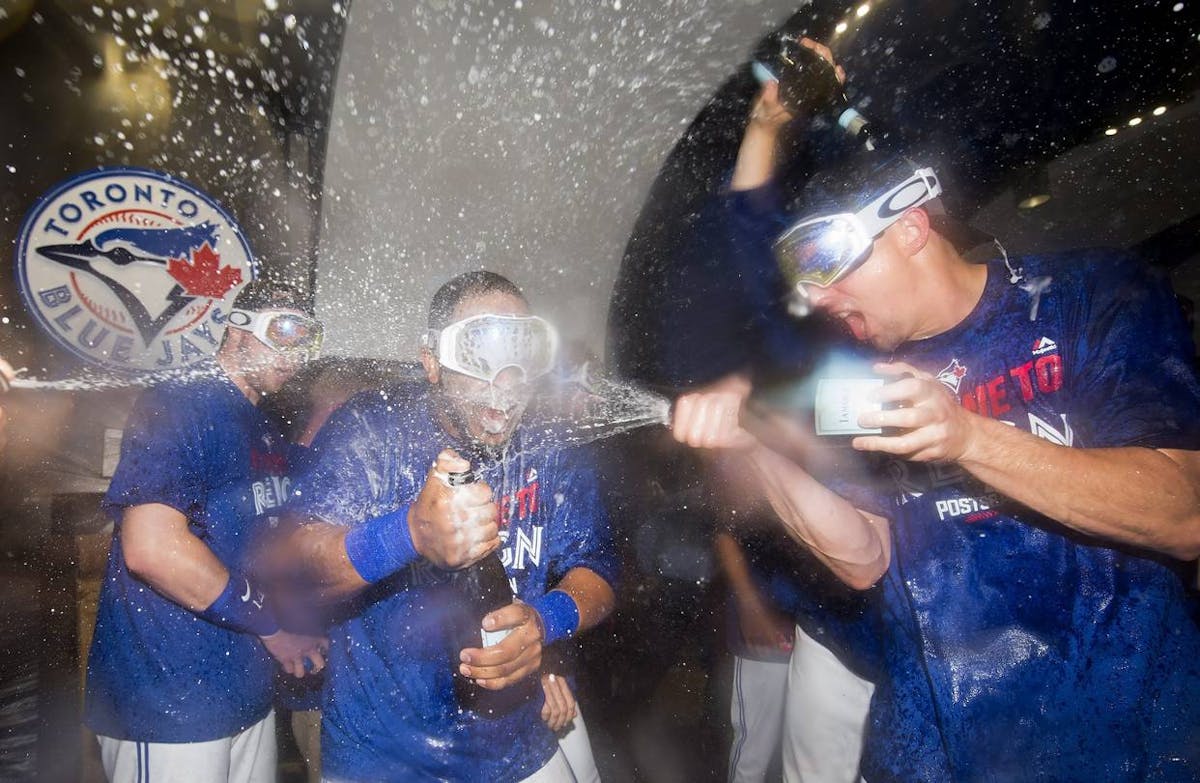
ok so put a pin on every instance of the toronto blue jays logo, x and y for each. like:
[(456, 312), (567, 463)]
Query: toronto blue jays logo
[(952, 375), (131, 269)]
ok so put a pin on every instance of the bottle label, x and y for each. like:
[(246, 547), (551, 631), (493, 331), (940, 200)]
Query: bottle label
[(839, 401), (490, 638)]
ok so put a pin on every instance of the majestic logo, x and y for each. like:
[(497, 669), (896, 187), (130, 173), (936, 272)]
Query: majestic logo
[(1044, 345), (131, 269), (952, 375)]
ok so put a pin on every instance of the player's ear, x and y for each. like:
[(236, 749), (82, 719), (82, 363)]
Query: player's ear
[(914, 230), (232, 340), (433, 370)]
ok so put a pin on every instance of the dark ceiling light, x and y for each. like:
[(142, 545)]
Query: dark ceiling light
[(1032, 189)]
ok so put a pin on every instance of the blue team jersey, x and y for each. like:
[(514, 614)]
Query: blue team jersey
[(1016, 648), (389, 711), (157, 672)]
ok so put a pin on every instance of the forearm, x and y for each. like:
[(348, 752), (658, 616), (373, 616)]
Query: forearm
[(161, 551), (1130, 495), (318, 551), (734, 566), (191, 576), (854, 544), (756, 159), (592, 594)]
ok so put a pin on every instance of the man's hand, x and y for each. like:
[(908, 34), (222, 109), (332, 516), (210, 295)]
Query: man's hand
[(293, 649), (936, 427), (708, 418), (453, 527), (768, 113), (514, 658), (825, 54), (559, 709), (763, 628)]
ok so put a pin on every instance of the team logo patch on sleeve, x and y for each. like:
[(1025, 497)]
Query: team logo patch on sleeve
[(131, 269)]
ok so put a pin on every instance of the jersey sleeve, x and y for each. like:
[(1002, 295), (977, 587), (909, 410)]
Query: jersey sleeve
[(162, 458), (583, 535), (1133, 375), (344, 470)]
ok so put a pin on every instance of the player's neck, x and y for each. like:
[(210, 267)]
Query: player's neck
[(955, 292)]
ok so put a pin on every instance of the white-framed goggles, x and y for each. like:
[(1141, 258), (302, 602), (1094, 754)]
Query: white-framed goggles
[(282, 330), (821, 250), (483, 346)]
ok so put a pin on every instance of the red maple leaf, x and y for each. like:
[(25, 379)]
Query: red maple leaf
[(204, 276)]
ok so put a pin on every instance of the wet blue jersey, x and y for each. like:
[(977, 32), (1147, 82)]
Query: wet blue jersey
[(390, 713), (1017, 649), (157, 672)]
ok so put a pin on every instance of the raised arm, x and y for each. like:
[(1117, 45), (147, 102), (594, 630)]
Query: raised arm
[(760, 142)]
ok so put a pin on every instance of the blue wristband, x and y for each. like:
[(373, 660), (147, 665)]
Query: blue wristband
[(241, 607), (560, 615), (381, 546)]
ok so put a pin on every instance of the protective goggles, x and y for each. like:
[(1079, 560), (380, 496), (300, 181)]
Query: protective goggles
[(822, 250), (281, 330), (483, 346)]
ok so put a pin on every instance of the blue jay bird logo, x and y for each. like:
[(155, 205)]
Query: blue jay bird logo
[(131, 268)]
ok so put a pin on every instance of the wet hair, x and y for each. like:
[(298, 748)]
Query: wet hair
[(264, 294), (853, 185), (474, 283)]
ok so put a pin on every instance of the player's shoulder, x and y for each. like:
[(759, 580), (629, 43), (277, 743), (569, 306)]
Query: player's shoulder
[(383, 412), (1094, 268), (198, 395), (388, 399)]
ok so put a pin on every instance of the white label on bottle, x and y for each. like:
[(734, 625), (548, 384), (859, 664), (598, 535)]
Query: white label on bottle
[(840, 401), (493, 637)]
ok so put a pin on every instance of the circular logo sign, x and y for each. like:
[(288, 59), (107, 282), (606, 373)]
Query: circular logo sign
[(131, 269)]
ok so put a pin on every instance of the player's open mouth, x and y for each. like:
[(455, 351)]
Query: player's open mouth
[(855, 323), (495, 421)]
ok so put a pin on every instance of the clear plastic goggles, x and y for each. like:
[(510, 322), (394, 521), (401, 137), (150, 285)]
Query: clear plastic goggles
[(483, 346), (282, 330), (822, 250)]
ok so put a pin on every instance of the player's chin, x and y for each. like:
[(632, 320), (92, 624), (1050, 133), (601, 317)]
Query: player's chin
[(494, 430), (493, 438), (273, 383)]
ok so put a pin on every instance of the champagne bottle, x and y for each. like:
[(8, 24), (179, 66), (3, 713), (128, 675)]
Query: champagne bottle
[(808, 84), (481, 588), (825, 403)]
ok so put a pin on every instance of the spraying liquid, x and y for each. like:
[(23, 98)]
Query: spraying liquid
[(107, 382), (582, 408), (589, 407)]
